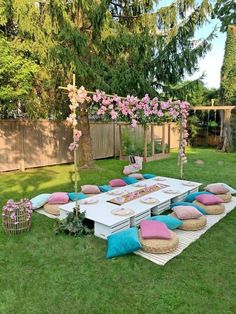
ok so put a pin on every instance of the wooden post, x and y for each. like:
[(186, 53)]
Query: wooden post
[(75, 163), (145, 144), (152, 141), (227, 140), (22, 145), (180, 159), (114, 138), (169, 137), (163, 138), (120, 140)]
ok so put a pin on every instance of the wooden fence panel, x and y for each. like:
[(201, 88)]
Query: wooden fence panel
[(103, 139), (46, 143), (10, 140), (26, 144)]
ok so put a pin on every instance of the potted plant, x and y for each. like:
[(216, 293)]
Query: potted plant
[(17, 216)]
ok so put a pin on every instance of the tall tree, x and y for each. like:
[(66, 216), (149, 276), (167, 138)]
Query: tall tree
[(120, 46), (228, 70), (17, 80), (228, 88), (225, 11)]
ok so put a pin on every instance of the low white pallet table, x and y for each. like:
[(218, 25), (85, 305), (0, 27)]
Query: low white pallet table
[(106, 223), (179, 185)]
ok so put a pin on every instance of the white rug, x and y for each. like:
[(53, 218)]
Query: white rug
[(62, 214), (187, 237)]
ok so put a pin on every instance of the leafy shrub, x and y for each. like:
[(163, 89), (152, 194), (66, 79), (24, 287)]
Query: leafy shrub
[(73, 225)]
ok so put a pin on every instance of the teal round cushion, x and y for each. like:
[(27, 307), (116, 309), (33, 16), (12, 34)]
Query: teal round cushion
[(171, 222)]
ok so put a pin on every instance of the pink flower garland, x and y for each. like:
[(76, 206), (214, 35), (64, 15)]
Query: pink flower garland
[(132, 110), (77, 97), (144, 111)]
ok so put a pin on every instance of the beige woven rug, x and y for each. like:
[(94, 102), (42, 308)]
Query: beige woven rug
[(187, 237)]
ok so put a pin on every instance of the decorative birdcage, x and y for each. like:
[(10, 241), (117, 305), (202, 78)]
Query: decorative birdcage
[(17, 216)]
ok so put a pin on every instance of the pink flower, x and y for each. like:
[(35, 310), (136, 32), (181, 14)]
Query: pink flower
[(134, 123), (113, 114), (73, 146), (160, 113), (77, 135), (116, 98), (106, 101), (164, 105), (13, 216)]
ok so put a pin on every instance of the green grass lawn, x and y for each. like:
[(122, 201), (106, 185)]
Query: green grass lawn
[(45, 273)]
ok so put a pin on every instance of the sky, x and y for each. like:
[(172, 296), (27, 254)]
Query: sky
[(211, 63)]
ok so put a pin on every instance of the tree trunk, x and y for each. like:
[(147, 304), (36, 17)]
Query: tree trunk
[(226, 131), (86, 142)]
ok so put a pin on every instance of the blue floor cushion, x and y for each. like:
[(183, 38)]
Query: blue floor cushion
[(40, 200), (105, 188), (149, 175), (80, 196), (123, 242), (130, 180), (191, 197), (171, 222)]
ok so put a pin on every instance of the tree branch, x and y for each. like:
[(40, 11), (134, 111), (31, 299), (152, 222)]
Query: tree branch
[(127, 16)]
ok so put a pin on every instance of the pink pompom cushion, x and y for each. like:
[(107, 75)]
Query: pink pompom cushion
[(90, 189), (216, 188), (117, 182), (209, 199), (186, 212), (151, 229), (58, 198), (137, 176)]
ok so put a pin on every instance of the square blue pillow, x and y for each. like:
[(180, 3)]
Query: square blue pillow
[(191, 197), (149, 175), (123, 242), (130, 180), (40, 200), (202, 210), (171, 222), (80, 196), (105, 188)]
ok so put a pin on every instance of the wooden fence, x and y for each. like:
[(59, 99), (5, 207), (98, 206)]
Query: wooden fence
[(28, 144)]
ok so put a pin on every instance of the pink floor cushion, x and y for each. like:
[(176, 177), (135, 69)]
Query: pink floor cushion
[(137, 176), (186, 212), (151, 229), (58, 198), (117, 182), (90, 189), (209, 199), (216, 188)]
